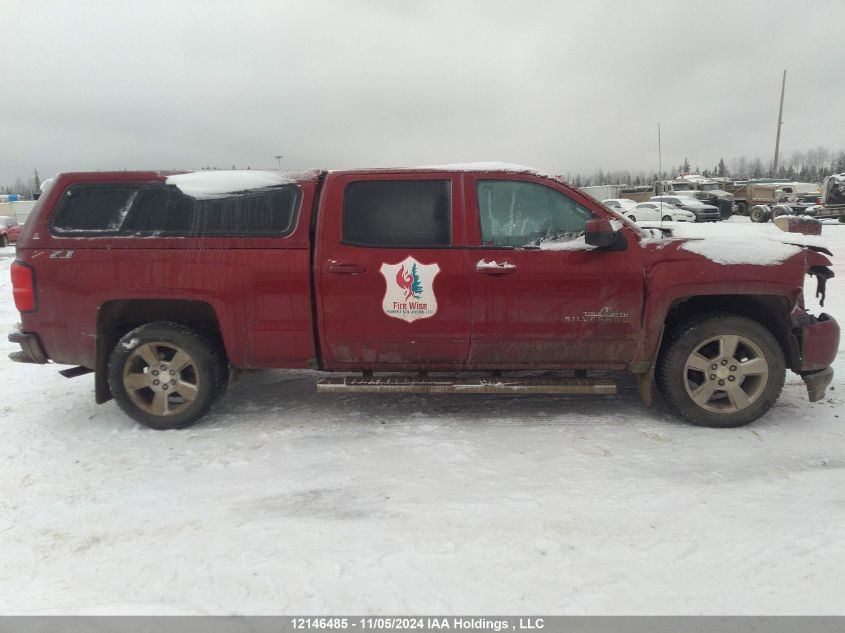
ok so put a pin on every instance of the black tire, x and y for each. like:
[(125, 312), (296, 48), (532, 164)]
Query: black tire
[(203, 380), (758, 214), (679, 382), (667, 218), (632, 218), (4, 241), (741, 208)]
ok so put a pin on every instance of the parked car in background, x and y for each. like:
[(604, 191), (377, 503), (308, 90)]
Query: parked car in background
[(9, 230), (703, 212), (620, 205), (656, 211)]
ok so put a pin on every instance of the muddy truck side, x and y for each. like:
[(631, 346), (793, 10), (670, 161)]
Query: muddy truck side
[(447, 279)]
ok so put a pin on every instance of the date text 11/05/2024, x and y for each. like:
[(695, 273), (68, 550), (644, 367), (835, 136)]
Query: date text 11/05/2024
[(428, 623)]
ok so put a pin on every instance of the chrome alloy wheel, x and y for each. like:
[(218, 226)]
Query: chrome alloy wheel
[(161, 379), (726, 374)]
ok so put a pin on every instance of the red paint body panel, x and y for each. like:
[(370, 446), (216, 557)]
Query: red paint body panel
[(355, 332), (547, 311), (259, 288), (821, 342)]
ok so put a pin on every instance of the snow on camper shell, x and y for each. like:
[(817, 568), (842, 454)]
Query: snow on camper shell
[(410, 289)]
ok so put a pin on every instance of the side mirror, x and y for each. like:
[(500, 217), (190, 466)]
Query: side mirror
[(599, 233)]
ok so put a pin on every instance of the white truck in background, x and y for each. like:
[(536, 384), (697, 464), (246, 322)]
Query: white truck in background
[(832, 200)]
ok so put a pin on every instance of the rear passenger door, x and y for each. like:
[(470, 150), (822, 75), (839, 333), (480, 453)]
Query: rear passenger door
[(392, 284)]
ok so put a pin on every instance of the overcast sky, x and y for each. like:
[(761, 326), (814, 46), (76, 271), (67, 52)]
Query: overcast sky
[(567, 87)]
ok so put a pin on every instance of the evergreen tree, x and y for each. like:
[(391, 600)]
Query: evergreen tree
[(686, 166), (416, 286)]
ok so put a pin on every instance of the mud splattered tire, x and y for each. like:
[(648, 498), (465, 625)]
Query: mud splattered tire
[(721, 370), (166, 375)]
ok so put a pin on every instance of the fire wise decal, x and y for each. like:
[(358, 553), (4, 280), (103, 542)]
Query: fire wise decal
[(410, 290)]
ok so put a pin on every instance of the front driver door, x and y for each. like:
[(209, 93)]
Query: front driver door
[(540, 296)]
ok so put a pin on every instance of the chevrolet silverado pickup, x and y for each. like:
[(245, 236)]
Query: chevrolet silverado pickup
[(441, 279)]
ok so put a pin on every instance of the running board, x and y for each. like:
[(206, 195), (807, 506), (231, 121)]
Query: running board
[(568, 386)]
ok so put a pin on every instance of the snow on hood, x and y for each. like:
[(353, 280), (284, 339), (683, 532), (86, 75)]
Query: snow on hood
[(735, 243), (218, 183), (736, 251)]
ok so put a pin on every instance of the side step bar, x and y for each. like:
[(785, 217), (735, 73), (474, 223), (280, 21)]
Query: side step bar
[(569, 386)]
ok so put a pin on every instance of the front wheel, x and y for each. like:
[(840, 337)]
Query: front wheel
[(632, 218), (166, 375), (721, 370), (667, 218), (4, 241)]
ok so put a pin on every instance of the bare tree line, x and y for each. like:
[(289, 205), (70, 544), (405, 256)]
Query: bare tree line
[(809, 166)]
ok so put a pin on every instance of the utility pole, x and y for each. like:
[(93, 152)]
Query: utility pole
[(780, 122), (279, 157), (659, 187)]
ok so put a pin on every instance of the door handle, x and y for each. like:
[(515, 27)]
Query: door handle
[(345, 268), (494, 268)]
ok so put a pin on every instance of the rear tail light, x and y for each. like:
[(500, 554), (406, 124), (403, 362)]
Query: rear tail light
[(23, 286)]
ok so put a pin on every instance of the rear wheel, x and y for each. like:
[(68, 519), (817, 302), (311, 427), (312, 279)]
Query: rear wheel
[(721, 370), (667, 218), (166, 375), (632, 218)]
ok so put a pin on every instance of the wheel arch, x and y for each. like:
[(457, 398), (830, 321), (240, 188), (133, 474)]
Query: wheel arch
[(771, 311), (116, 318)]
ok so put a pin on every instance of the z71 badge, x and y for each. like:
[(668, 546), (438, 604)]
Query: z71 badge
[(410, 290)]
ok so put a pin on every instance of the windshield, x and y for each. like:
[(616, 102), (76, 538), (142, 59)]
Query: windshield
[(680, 186), (710, 187)]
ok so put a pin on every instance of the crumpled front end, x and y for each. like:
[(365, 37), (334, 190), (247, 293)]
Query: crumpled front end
[(818, 336)]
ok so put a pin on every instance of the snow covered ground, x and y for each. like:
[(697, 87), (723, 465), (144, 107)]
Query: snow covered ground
[(285, 501)]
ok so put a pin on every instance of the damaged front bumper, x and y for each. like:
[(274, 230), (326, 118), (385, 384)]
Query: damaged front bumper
[(31, 349), (819, 338)]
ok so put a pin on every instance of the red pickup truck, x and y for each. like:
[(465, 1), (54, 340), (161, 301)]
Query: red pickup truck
[(165, 284)]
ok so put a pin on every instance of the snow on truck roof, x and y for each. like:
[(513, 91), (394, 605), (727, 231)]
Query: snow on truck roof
[(217, 183)]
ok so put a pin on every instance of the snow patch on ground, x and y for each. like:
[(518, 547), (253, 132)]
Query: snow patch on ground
[(283, 501)]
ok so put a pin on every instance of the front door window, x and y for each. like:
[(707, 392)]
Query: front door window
[(525, 214)]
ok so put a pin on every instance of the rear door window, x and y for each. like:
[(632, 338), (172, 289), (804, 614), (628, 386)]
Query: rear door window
[(391, 213)]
